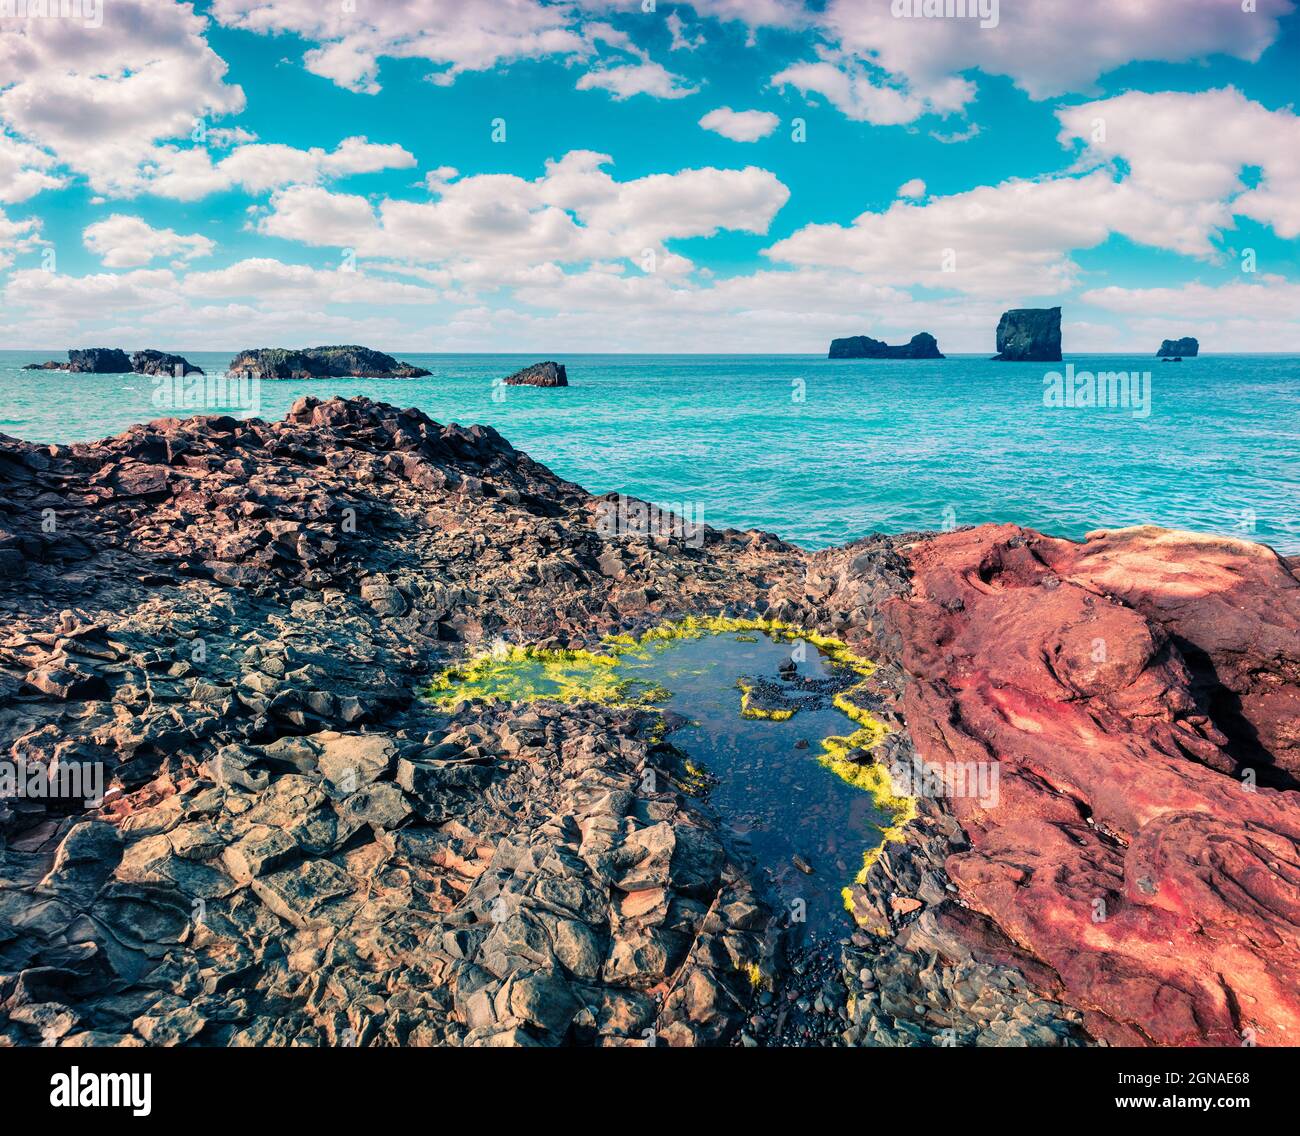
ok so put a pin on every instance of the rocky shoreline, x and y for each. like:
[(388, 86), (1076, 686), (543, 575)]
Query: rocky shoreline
[(234, 618)]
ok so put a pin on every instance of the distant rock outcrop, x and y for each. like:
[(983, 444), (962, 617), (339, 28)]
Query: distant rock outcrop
[(1030, 335), (547, 374), (89, 361), (1179, 348), (320, 363), (151, 362), (923, 345)]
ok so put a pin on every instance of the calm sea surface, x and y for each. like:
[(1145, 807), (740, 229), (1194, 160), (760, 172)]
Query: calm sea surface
[(821, 451)]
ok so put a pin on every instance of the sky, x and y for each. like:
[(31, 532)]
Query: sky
[(637, 175)]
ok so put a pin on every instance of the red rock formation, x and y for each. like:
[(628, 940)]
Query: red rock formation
[(1123, 685)]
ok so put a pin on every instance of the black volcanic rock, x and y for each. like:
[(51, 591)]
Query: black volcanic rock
[(1030, 335), (547, 374), (1178, 348), (88, 361), (99, 361), (320, 363), (923, 345), (151, 362)]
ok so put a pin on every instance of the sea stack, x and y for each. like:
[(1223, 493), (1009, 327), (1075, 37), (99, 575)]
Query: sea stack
[(1030, 335), (151, 362), (547, 374), (320, 363), (923, 345), (1187, 347)]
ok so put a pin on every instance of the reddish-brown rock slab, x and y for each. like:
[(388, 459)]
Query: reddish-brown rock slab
[(1114, 682)]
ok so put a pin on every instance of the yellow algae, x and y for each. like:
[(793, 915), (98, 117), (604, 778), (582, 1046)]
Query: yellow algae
[(781, 714), (755, 974), (526, 674)]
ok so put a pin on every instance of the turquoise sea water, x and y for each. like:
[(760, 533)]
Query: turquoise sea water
[(871, 446)]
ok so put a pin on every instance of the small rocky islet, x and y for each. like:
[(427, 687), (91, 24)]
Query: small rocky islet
[(113, 361), (1186, 348), (923, 345), (1023, 335), (241, 621), (320, 363)]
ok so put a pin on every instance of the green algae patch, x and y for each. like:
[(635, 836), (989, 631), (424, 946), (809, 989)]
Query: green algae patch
[(611, 675), (530, 674)]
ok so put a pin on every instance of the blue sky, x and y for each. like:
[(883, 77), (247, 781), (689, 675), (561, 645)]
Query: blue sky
[(241, 173)]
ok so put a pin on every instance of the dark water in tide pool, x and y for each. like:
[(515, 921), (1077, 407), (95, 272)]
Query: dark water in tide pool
[(778, 798)]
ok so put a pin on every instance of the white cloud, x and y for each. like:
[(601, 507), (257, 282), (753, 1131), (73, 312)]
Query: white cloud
[(1186, 148), (625, 80), (740, 125), (492, 228), (913, 188), (188, 174), (100, 98), (1160, 178), (454, 36), (128, 242), (863, 94), (684, 38), (24, 170), (16, 237), (1047, 47)]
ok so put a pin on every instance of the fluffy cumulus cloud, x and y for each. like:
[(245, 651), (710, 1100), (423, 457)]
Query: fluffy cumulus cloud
[(495, 227), (1185, 148), (99, 99), (121, 241), (25, 170), (189, 173), (881, 63), (1162, 170), (133, 106), (453, 36), (628, 79), (740, 125), (16, 237)]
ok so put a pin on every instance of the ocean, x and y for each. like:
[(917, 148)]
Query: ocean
[(825, 451)]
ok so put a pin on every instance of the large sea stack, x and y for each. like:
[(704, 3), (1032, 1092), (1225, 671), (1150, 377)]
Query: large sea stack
[(1030, 335), (320, 363), (547, 374), (1187, 347), (923, 345)]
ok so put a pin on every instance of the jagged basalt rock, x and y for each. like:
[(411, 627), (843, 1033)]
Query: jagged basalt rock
[(548, 374), (320, 363), (151, 362), (923, 345), (1185, 348), (233, 619), (1030, 335)]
